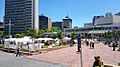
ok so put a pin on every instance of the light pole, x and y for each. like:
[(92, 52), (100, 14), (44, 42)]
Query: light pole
[(9, 28), (9, 24), (80, 49)]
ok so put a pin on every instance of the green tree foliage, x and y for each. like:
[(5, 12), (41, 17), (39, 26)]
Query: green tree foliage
[(57, 35), (1, 34), (19, 35), (73, 36), (53, 29), (41, 31), (31, 32), (60, 35), (22, 34), (113, 36), (54, 36)]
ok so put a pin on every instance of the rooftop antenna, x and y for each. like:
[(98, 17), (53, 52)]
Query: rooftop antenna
[(67, 13)]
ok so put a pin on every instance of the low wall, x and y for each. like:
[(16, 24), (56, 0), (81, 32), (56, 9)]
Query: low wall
[(109, 65)]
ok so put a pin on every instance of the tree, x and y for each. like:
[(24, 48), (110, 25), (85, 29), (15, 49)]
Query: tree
[(41, 31), (31, 32), (22, 34), (53, 29), (112, 36), (115, 35), (1, 34), (73, 36), (57, 35), (53, 36), (18, 36)]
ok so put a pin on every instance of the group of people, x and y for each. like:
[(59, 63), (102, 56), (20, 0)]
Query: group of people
[(114, 44), (90, 43)]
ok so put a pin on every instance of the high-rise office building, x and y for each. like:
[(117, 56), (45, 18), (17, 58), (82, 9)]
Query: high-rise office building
[(67, 22), (22, 14), (45, 22)]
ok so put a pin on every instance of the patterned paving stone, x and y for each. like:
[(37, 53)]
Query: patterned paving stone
[(69, 57)]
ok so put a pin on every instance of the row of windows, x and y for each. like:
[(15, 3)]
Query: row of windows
[(89, 29)]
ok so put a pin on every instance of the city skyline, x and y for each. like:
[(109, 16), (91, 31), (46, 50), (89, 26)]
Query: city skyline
[(57, 10)]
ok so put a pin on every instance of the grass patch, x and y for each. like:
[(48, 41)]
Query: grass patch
[(1, 46), (54, 48)]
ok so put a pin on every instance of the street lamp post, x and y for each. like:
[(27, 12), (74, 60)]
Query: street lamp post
[(80, 49), (9, 24), (9, 28)]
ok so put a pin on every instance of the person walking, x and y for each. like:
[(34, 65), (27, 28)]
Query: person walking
[(71, 43), (114, 46), (87, 43), (18, 50), (92, 44)]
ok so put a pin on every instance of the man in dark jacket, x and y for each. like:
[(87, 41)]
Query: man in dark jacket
[(114, 46), (18, 52)]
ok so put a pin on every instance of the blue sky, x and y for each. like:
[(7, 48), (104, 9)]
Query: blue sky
[(81, 11)]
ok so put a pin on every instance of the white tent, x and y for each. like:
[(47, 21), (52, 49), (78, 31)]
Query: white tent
[(57, 41), (66, 38), (45, 39)]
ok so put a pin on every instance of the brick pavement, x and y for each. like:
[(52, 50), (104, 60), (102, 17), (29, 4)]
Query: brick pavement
[(69, 57)]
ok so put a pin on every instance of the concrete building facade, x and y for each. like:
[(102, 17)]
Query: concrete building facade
[(108, 21), (101, 25), (22, 15), (95, 18), (88, 24)]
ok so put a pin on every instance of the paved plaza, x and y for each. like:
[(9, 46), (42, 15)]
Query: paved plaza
[(69, 57), (9, 60)]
